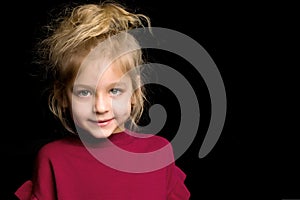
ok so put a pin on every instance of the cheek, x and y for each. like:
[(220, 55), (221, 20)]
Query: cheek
[(80, 110), (122, 106)]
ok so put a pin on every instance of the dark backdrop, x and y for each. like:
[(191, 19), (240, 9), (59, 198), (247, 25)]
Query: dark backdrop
[(256, 155)]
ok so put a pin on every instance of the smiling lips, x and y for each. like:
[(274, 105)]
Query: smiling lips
[(103, 123)]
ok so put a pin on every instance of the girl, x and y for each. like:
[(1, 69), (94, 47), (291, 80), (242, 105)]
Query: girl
[(94, 66)]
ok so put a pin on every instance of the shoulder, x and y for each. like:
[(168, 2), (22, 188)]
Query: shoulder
[(58, 146), (149, 137), (151, 141)]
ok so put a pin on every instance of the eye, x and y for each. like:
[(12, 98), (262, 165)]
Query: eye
[(115, 91), (83, 93)]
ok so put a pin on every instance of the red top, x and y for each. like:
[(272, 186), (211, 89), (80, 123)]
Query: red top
[(127, 166)]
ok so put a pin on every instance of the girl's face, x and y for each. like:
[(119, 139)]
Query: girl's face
[(101, 100)]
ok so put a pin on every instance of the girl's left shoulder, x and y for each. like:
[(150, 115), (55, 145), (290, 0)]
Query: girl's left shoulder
[(153, 141)]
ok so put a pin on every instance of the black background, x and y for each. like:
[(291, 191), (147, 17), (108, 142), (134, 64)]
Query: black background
[(252, 45)]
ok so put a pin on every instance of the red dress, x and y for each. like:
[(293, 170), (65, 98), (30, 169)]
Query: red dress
[(127, 166)]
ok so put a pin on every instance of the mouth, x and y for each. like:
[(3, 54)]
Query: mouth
[(104, 122)]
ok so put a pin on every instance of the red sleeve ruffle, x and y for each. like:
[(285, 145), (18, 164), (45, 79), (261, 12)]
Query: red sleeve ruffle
[(178, 190), (25, 191)]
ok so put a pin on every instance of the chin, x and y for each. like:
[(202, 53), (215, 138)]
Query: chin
[(102, 134)]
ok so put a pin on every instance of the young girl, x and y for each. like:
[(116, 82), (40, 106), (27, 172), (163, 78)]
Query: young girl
[(94, 65)]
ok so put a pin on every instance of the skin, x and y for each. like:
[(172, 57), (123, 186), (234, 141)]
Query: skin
[(101, 102)]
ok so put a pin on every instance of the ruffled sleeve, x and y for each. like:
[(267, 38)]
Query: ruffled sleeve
[(177, 190), (25, 191), (42, 184)]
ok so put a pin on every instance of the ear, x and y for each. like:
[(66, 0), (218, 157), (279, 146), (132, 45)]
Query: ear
[(134, 98), (137, 91)]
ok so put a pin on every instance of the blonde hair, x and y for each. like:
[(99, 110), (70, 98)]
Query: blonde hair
[(73, 35)]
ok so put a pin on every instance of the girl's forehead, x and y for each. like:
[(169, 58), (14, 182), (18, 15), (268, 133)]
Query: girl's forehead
[(94, 74), (102, 68)]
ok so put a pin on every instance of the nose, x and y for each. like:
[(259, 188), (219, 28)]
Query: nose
[(102, 104)]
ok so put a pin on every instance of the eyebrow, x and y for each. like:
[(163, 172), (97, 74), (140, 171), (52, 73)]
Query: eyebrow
[(113, 84)]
